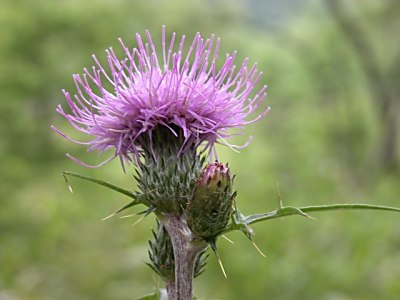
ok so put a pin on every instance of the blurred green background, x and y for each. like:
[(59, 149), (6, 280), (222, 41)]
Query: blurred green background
[(333, 70)]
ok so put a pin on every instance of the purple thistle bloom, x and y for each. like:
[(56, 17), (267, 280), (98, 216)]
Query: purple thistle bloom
[(133, 96)]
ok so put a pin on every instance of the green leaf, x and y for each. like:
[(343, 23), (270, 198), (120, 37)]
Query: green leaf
[(99, 182), (288, 211), (243, 222), (153, 296), (113, 187), (160, 294), (126, 206)]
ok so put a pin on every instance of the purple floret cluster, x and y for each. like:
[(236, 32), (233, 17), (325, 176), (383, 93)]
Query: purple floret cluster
[(184, 91)]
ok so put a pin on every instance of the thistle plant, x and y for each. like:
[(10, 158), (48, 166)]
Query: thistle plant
[(162, 113)]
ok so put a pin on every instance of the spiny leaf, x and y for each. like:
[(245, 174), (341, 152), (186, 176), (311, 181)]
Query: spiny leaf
[(240, 222), (349, 206), (130, 204), (100, 182), (291, 210), (288, 211)]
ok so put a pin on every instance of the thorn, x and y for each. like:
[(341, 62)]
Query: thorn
[(150, 191), (149, 211), (278, 191), (236, 210), (138, 221), (307, 216), (214, 248), (127, 216), (67, 182), (106, 218), (229, 240), (257, 248), (221, 266)]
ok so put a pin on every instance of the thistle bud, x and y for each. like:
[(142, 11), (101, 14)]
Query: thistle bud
[(161, 256), (210, 205)]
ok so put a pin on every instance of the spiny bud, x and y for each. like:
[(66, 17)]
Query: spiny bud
[(161, 256), (210, 205), (166, 177)]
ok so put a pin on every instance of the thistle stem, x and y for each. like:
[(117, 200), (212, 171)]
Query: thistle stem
[(171, 289), (185, 253)]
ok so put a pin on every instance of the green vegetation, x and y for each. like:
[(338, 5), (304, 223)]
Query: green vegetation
[(331, 137)]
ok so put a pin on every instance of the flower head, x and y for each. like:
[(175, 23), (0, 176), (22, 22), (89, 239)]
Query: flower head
[(210, 206), (215, 175), (121, 105)]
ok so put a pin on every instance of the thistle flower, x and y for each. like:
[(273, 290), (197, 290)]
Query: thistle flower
[(122, 105)]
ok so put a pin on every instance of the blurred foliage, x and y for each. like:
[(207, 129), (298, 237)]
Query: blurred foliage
[(322, 141)]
